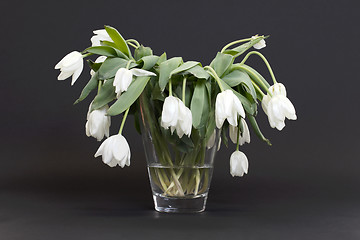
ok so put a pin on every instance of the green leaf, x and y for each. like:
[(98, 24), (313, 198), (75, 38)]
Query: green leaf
[(148, 61), (244, 47), (210, 125), (106, 51), (110, 66), (127, 98), (221, 63), (108, 43), (162, 58), (184, 67), (91, 85), (248, 106), (198, 72), (166, 68), (256, 128), (141, 52), (237, 77), (118, 40), (200, 105), (105, 95), (94, 66)]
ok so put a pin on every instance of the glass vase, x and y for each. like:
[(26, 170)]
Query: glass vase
[(180, 169)]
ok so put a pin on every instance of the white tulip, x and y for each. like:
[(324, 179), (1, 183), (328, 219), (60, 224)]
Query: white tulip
[(238, 164), (123, 78), (244, 136), (184, 123), (115, 151), (261, 44), (71, 64), (228, 106), (278, 107), (170, 113), (98, 60), (98, 123), (100, 35)]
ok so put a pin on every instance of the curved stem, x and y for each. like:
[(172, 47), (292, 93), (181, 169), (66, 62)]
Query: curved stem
[(99, 86), (238, 134), (216, 77), (130, 41), (183, 90), (265, 61), (124, 120), (257, 88), (133, 45), (234, 42), (87, 54), (128, 63)]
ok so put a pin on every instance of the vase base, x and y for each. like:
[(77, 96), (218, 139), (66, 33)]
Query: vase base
[(180, 205)]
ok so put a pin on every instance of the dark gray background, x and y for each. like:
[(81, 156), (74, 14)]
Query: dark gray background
[(306, 186)]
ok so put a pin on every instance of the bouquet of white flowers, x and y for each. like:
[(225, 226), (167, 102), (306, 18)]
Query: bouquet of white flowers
[(168, 96)]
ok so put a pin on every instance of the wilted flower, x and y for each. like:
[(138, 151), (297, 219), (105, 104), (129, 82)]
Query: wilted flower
[(176, 116), (115, 151), (278, 107), (123, 78), (98, 60), (211, 141), (98, 123), (100, 35), (243, 137), (228, 106), (238, 164), (261, 44), (71, 64)]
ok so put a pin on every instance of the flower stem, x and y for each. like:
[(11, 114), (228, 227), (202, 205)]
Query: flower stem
[(99, 86), (133, 43), (183, 90), (215, 76), (170, 88), (87, 55), (238, 134), (257, 88), (265, 61), (128, 63), (233, 43), (124, 120)]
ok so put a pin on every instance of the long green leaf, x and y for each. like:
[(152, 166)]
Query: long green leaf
[(105, 95), (184, 67), (256, 128), (221, 63), (127, 98), (200, 105), (118, 40), (106, 51), (148, 61), (166, 68), (91, 85), (198, 72), (237, 77), (141, 52)]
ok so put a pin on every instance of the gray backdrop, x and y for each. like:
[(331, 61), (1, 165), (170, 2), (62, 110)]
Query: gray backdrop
[(303, 187)]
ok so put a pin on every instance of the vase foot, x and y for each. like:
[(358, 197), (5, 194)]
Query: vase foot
[(180, 205)]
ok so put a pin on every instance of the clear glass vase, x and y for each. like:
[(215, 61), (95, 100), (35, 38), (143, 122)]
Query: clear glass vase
[(180, 169)]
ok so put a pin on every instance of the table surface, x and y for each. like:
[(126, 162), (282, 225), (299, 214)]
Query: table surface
[(79, 210)]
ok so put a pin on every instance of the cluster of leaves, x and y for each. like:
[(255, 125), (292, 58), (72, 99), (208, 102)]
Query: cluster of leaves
[(201, 88)]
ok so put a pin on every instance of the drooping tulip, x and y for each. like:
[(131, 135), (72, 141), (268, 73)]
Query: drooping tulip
[(184, 123), (238, 164), (123, 78), (261, 44), (98, 123), (71, 65), (228, 106), (100, 35), (115, 150), (278, 107), (244, 136), (170, 113), (100, 59)]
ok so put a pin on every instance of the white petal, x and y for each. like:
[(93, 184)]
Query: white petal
[(141, 72), (211, 140), (233, 133), (238, 164), (64, 75), (76, 74), (261, 44), (126, 81), (245, 135)]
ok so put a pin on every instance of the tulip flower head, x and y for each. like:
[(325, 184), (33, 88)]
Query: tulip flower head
[(244, 136), (278, 107), (100, 35), (115, 151), (123, 78), (98, 60), (261, 44), (71, 65), (176, 116), (238, 164), (98, 123), (228, 106)]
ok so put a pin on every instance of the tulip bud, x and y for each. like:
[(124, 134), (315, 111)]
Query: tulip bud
[(238, 164), (71, 64)]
